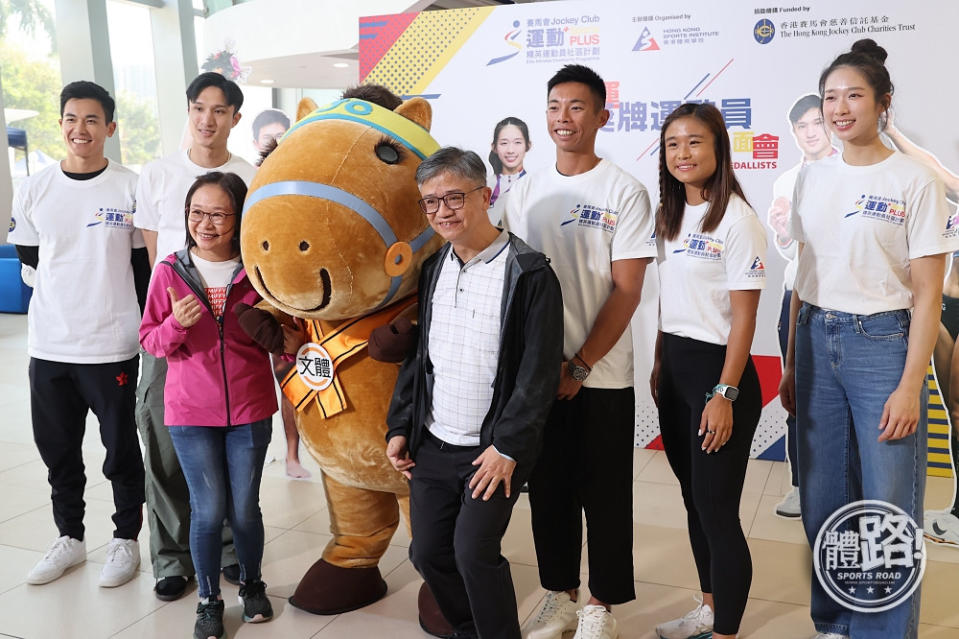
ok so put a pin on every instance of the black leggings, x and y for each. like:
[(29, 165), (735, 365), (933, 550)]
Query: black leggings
[(712, 484)]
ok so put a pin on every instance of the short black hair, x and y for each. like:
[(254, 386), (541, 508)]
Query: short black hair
[(802, 106), (375, 93), (234, 97), (269, 116), (83, 90), (584, 75)]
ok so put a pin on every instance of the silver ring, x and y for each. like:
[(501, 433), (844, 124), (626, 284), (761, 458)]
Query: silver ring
[(711, 432)]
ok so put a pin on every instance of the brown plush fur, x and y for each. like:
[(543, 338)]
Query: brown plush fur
[(286, 241)]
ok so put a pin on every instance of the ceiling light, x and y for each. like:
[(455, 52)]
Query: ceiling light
[(340, 65), (266, 81)]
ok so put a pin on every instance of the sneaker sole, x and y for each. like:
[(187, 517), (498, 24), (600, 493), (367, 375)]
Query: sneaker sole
[(782, 515), (542, 634), (253, 619), (40, 582), (940, 540), (703, 635)]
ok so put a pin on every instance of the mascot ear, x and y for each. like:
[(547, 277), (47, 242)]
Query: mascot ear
[(418, 110), (399, 259), (304, 108)]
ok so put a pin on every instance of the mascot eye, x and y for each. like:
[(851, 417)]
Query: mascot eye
[(265, 245), (304, 245), (388, 152)]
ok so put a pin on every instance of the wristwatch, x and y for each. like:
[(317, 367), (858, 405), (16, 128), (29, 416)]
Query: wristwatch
[(577, 372), (727, 391)]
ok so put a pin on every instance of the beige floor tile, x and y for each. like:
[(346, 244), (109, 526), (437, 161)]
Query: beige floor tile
[(781, 571), (662, 556), (641, 457), (13, 454), (657, 470), (928, 631), (659, 504), (770, 526), (34, 530), (75, 607), (940, 593), (780, 479), (287, 503), (757, 474), (939, 492)]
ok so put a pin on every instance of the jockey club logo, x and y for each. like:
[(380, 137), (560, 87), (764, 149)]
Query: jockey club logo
[(869, 556), (113, 218), (884, 209), (703, 247), (510, 40), (592, 216)]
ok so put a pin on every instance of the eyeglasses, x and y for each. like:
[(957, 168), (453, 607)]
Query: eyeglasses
[(217, 219), (454, 201)]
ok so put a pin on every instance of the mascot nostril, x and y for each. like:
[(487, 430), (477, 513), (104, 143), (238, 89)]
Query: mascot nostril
[(344, 176)]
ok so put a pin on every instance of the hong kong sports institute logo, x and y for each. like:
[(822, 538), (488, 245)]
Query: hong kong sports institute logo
[(869, 556)]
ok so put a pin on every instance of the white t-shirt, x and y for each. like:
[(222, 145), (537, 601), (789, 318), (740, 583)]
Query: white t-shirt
[(861, 225), (783, 187), (84, 307), (697, 270), (583, 223), (215, 277), (161, 196)]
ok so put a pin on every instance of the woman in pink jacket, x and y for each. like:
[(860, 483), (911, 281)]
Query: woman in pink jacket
[(219, 395)]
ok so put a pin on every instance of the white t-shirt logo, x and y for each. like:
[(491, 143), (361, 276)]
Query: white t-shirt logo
[(757, 269), (587, 215), (702, 246), (113, 218), (314, 366), (952, 226), (884, 209)]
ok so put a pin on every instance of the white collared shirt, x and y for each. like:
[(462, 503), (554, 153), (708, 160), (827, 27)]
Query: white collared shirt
[(464, 341)]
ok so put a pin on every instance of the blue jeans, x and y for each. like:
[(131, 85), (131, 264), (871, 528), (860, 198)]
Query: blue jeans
[(223, 466), (846, 368)]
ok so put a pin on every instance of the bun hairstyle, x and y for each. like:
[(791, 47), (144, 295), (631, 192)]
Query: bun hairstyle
[(869, 59)]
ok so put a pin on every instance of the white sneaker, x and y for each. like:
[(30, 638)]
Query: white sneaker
[(831, 635), (65, 552), (941, 527), (123, 559), (556, 614), (595, 622), (789, 506), (695, 624)]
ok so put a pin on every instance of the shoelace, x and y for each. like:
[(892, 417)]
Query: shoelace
[(252, 589), (593, 620), (60, 547), (696, 615), (118, 549), (551, 606)]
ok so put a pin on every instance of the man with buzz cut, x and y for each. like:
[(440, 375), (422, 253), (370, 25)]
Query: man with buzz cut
[(73, 222), (213, 109), (593, 221)]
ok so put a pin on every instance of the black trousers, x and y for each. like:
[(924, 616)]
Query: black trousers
[(712, 484), (586, 467), (457, 540), (60, 396)]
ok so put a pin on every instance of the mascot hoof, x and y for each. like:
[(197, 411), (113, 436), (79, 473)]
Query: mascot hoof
[(330, 590), (432, 620)]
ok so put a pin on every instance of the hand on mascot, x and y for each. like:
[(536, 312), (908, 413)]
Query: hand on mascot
[(399, 455), (293, 339), (493, 469), (392, 342), (187, 310), (262, 327)]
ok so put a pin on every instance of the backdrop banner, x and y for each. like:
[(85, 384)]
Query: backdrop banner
[(754, 60)]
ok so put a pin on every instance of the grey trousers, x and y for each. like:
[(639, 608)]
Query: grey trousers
[(167, 495)]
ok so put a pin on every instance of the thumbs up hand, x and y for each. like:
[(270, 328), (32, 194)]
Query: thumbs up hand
[(187, 310)]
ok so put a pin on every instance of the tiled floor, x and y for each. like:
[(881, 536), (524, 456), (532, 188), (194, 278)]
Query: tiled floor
[(297, 529)]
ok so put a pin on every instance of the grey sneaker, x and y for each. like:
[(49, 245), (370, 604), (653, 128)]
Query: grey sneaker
[(64, 553), (831, 635), (789, 506), (256, 605), (209, 620)]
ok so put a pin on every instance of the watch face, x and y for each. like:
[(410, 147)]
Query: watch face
[(578, 373), (731, 393)]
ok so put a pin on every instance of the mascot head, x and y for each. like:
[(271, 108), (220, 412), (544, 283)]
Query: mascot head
[(331, 225)]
